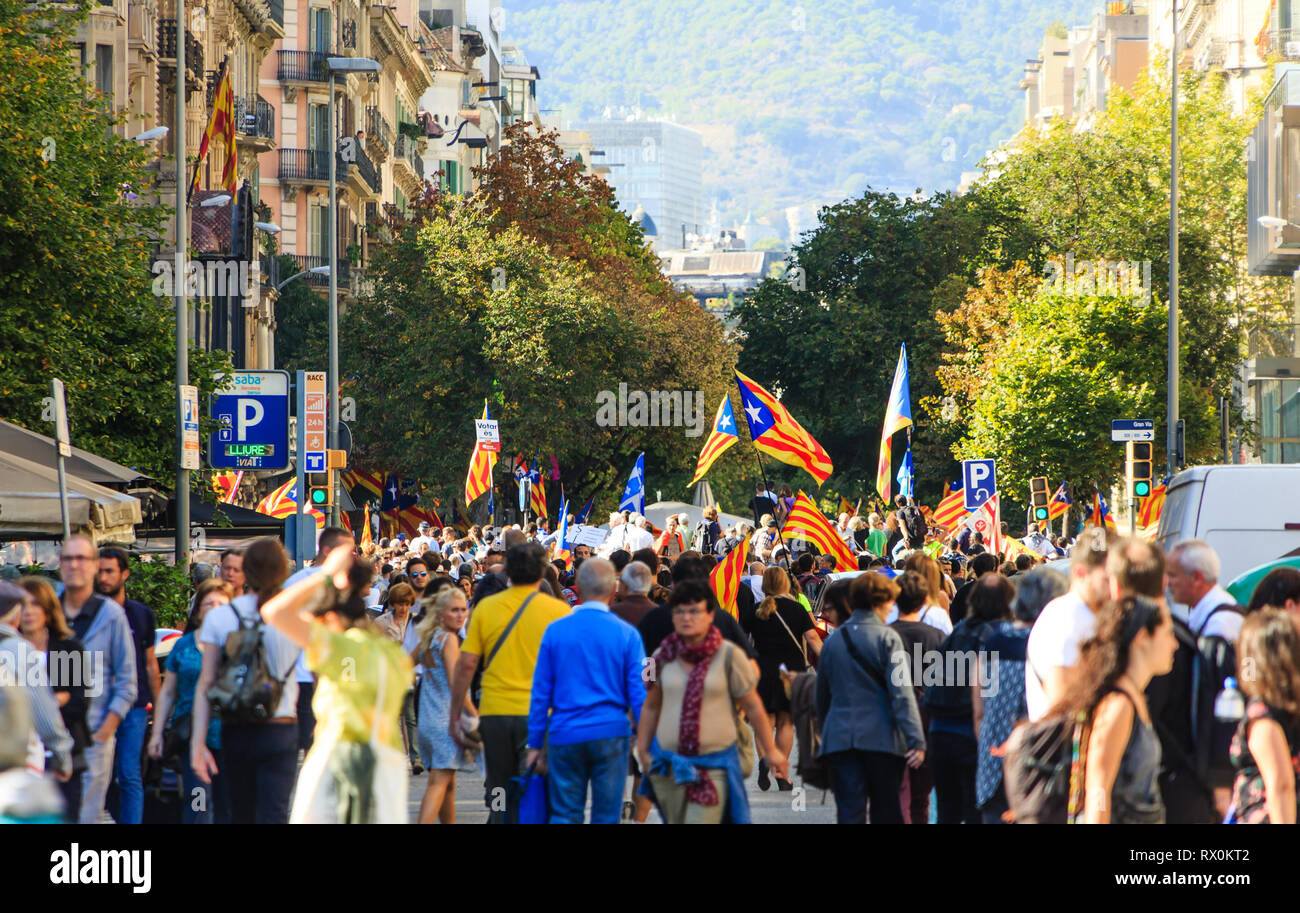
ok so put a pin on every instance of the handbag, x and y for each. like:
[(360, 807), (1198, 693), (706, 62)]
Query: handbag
[(744, 735), (530, 796), (176, 740), (803, 650)]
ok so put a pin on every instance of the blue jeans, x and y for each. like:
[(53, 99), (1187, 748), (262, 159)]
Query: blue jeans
[(862, 777), (203, 803), (600, 762), (261, 765), (128, 771)]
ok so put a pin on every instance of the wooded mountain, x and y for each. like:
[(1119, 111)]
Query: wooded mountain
[(799, 102)]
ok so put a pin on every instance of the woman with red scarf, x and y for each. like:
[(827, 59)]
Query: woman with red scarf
[(686, 739)]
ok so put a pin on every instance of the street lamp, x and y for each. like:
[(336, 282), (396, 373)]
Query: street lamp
[(335, 65), (182, 532), (315, 271), (269, 227), (220, 199), (1275, 222), (150, 135)]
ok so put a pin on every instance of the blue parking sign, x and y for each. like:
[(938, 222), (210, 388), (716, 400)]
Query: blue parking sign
[(979, 482), (252, 416)]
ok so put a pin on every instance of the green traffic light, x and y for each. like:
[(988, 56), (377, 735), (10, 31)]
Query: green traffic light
[(1141, 489), (1040, 513), (318, 496)]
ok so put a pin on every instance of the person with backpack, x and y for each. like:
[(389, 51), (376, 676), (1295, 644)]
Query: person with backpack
[(953, 746), (248, 679), (1121, 754), (708, 532), (1198, 774), (1266, 748), (870, 722), (912, 521)]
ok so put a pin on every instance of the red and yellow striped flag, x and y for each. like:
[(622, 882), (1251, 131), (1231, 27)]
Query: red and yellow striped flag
[(1151, 506), (282, 503), (366, 537), (951, 510), (537, 494), (721, 437), (774, 431), (727, 578), (806, 522), (481, 463), (222, 124)]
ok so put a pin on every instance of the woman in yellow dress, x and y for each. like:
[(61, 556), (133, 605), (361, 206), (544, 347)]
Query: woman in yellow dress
[(356, 771)]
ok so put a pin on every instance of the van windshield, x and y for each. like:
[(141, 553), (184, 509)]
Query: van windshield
[(1180, 500)]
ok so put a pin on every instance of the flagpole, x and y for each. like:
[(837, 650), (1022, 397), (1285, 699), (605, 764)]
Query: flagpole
[(762, 477)]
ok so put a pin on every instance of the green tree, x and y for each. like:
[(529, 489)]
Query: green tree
[(301, 323), (76, 245)]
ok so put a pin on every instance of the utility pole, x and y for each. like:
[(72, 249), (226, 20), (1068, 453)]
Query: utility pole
[(182, 551), (1171, 408)]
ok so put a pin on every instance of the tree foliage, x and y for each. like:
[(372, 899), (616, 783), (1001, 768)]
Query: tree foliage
[(76, 243)]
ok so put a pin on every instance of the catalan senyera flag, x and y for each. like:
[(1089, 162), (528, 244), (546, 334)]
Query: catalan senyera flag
[(898, 415), (773, 430), (282, 503), (1059, 504), (366, 538), (721, 437), (846, 507), (222, 124), (952, 509), (806, 522), (726, 578), (226, 485), (363, 485), (481, 463), (1152, 505)]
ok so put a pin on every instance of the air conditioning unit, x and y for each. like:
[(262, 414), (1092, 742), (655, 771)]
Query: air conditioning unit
[(1291, 50)]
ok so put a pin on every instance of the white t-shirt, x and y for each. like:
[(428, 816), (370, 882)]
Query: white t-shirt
[(1221, 624), (281, 653), (934, 616), (1064, 624)]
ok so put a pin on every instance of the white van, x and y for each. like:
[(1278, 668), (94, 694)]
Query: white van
[(1248, 514)]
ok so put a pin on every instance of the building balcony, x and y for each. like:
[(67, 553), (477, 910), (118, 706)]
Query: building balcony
[(195, 79), (302, 66), (142, 25), (255, 120), (406, 158), (312, 261), (362, 176), (304, 166), (1276, 340), (379, 134), (275, 8)]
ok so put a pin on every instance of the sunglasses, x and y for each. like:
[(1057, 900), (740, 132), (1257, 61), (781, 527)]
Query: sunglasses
[(419, 573)]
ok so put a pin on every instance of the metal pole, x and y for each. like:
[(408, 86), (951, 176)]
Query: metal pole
[(1171, 417), (182, 306), (333, 380)]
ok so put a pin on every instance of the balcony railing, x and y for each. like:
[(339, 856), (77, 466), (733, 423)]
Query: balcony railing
[(407, 150), (304, 165), (254, 117), (377, 128), (312, 261), (1276, 340), (1288, 43), (302, 66), (369, 173), (167, 46)]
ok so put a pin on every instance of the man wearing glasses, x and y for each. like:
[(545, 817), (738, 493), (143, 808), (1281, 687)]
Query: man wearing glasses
[(101, 626)]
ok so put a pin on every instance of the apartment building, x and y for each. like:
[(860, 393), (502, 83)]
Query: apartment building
[(1230, 37)]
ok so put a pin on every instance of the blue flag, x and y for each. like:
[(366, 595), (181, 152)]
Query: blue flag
[(581, 519), (634, 493), (906, 474), (392, 488)]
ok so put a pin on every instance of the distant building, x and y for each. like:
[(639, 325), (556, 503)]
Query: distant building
[(717, 270), (655, 165)]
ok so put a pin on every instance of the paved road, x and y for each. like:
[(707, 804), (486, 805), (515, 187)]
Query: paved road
[(798, 806)]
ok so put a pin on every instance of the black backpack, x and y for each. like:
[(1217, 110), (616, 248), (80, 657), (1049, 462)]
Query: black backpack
[(1036, 771), (952, 700), (914, 522), (1194, 758), (244, 690), (812, 769)]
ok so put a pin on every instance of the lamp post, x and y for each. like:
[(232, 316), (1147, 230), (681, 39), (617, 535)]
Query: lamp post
[(1171, 379), (182, 551), (335, 65), (315, 271)]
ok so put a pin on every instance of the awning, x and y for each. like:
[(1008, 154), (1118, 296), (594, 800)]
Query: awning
[(29, 504), (40, 449)]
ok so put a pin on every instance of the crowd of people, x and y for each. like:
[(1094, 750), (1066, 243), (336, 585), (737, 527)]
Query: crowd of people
[(615, 674)]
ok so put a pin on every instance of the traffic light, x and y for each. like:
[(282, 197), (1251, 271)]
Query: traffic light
[(320, 490), (1038, 496), (1139, 458)]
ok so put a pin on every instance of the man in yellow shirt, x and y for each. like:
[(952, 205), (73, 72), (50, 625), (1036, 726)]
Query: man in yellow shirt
[(505, 630)]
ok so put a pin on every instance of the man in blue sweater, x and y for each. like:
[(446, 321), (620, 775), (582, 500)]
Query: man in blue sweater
[(587, 691)]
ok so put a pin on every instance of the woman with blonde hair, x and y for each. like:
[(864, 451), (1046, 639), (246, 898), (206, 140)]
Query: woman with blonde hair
[(1266, 748), (436, 651), (935, 611), (783, 635)]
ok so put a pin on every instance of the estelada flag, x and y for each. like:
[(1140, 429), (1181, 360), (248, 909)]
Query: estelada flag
[(1100, 515), (538, 491), (222, 124), (1059, 504), (952, 509), (721, 437), (898, 415), (806, 522), (726, 578), (283, 503), (773, 430)]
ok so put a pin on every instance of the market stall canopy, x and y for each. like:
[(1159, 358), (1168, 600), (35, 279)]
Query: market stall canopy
[(38, 448), (29, 504)]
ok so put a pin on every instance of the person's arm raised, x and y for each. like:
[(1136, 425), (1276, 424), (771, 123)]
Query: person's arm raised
[(286, 612)]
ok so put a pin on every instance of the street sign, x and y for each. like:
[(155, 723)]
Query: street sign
[(252, 416), (979, 482), (1132, 429), (488, 434), (314, 418), (59, 403), (189, 426)]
